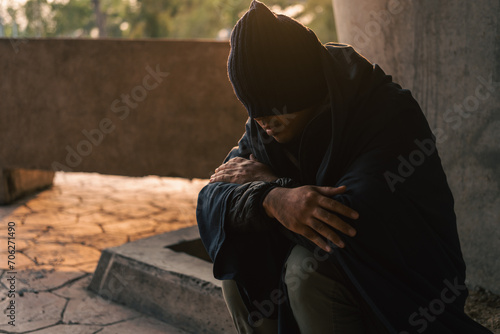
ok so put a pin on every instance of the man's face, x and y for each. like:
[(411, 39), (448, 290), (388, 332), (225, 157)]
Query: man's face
[(284, 128)]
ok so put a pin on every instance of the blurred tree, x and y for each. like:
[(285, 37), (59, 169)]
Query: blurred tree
[(320, 14), (75, 18), (38, 23), (160, 18), (14, 28), (100, 18)]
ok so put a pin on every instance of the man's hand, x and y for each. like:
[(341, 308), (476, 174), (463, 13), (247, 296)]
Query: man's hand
[(241, 170), (310, 211)]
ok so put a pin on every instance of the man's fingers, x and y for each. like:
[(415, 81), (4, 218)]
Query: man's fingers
[(333, 205), (231, 163), (337, 207), (331, 219), (215, 178), (325, 231), (221, 167), (228, 167), (316, 238), (221, 176), (330, 191)]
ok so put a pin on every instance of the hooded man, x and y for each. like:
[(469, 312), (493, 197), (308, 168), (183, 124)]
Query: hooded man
[(333, 213)]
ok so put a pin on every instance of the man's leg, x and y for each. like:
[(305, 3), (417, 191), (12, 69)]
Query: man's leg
[(321, 302), (239, 312)]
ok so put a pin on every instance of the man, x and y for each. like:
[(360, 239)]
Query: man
[(333, 214)]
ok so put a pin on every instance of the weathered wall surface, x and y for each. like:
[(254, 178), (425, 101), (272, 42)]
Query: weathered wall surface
[(160, 107), (448, 54)]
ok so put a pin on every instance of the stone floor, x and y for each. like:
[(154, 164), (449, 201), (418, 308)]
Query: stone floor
[(59, 235)]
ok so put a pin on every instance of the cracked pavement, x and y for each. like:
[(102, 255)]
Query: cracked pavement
[(59, 235)]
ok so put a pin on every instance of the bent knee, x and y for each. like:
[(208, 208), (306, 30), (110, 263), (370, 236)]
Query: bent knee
[(300, 273)]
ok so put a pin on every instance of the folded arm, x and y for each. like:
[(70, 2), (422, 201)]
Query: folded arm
[(306, 210)]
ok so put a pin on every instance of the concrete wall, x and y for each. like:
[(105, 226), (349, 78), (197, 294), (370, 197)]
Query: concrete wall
[(160, 107), (448, 54)]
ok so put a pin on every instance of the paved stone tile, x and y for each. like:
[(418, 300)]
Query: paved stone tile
[(130, 196), (103, 241), (131, 226), (52, 218), (5, 211), (58, 194), (92, 309), (88, 267), (69, 233), (20, 244), (33, 311), (172, 226), (96, 218), (130, 210), (18, 219), (55, 254), (39, 280), (141, 325), (11, 212), (4, 291), (76, 289), (24, 233), (21, 261), (70, 329), (50, 203), (83, 209), (86, 307)]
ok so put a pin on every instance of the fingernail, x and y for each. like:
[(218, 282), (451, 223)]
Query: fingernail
[(352, 232), (328, 249), (355, 215), (341, 244)]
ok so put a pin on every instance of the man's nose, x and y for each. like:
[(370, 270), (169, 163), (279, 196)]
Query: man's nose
[(268, 120)]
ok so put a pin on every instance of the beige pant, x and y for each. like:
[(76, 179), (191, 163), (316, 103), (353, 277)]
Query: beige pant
[(320, 301)]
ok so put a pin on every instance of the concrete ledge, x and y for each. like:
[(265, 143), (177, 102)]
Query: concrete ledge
[(151, 275), (15, 183)]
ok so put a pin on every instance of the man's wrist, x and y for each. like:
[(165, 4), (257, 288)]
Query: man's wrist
[(270, 178), (267, 203), (275, 193), (286, 182)]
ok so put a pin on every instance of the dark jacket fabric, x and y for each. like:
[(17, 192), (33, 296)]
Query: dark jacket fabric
[(405, 260)]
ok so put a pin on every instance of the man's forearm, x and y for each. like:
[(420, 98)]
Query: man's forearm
[(245, 211), (270, 199)]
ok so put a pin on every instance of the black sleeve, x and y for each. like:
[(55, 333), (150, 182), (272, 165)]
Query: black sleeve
[(243, 202), (246, 211)]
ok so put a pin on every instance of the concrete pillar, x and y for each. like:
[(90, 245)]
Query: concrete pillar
[(15, 183), (448, 54)]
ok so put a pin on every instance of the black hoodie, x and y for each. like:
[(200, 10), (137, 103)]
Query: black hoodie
[(405, 260)]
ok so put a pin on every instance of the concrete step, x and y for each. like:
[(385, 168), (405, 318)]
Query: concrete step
[(168, 276)]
